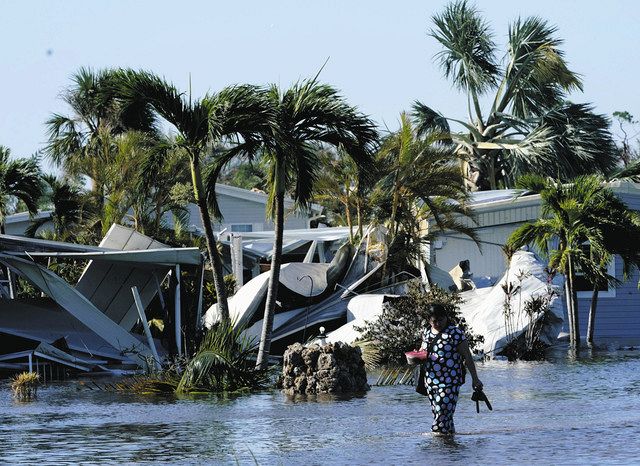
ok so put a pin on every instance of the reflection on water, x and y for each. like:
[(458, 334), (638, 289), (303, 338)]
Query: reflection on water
[(562, 411)]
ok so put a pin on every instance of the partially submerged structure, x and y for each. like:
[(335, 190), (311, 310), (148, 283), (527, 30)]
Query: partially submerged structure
[(88, 325), (498, 214), (313, 294), (486, 311)]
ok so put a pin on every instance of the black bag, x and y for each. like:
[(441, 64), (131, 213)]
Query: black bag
[(420, 386), (478, 396)]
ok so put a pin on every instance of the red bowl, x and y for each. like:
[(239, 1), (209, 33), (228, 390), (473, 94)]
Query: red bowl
[(415, 357)]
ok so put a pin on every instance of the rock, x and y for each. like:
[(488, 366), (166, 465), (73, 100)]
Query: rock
[(333, 368), (310, 356), (326, 361)]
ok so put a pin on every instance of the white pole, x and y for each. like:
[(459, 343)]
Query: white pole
[(178, 323), (321, 252), (236, 259), (145, 325), (308, 258), (30, 362)]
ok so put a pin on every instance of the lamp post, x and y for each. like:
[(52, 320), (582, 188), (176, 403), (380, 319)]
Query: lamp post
[(322, 336), (306, 317)]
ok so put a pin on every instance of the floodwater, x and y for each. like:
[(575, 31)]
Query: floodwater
[(563, 411)]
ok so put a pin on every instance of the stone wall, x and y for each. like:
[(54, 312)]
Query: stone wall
[(333, 368)]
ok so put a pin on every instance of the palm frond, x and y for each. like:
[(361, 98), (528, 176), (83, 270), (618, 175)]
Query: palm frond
[(468, 57), (537, 76)]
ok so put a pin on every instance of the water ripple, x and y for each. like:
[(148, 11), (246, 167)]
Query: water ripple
[(560, 412)]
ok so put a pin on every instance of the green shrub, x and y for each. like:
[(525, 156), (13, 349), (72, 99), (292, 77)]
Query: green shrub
[(399, 328)]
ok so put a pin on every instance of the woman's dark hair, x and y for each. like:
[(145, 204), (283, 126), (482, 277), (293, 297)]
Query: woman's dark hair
[(436, 311)]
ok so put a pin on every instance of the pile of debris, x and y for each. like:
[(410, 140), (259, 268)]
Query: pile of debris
[(333, 368)]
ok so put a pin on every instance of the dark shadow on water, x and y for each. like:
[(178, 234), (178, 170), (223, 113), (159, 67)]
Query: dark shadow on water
[(324, 397)]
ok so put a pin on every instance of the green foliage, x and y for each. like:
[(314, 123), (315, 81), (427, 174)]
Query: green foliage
[(19, 181), (223, 363), (70, 209), (419, 182), (530, 126), (343, 190), (209, 292), (583, 212), (246, 174), (403, 320)]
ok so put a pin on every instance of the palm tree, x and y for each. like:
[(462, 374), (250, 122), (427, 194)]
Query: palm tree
[(19, 181), (306, 116), (161, 186), (342, 182), (584, 212), (81, 143), (530, 127), (237, 112), (614, 223), (420, 181), (67, 209)]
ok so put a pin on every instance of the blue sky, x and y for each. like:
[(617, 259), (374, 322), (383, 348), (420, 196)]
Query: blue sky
[(379, 53)]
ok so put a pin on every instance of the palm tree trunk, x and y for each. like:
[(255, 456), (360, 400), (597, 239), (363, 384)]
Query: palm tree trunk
[(569, 302), (274, 281), (394, 210), (575, 343), (390, 234), (592, 316), (212, 247), (492, 172), (359, 214), (347, 212)]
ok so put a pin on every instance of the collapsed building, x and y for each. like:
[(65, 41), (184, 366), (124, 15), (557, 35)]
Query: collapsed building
[(87, 326)]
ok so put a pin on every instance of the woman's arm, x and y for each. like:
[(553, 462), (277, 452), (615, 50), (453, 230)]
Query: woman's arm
[(464, 350)]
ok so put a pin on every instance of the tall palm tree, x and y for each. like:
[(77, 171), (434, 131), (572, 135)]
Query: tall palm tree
[(572, 216), (305, 117), (420, 181), (530, 127), (237, 113)]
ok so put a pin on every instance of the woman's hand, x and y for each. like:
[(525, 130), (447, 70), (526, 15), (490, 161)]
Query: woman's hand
[(476, 384)]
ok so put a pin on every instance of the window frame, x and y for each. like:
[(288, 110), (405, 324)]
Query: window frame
[(250, 225)]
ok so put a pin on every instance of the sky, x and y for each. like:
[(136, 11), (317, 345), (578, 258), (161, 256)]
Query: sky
[(378, 53)]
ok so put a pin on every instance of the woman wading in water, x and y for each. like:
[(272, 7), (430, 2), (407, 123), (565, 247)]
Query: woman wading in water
[(447, 349)]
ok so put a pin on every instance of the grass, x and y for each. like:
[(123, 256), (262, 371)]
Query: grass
[(25, 386)]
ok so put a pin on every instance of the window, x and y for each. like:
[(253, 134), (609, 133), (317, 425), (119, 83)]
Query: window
[(242, 228)]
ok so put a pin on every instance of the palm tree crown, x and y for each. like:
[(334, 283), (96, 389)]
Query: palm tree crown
[(304, 118), (19, 180), (530, 126)]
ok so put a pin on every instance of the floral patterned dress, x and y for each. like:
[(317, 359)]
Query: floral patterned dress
[(444, 374)]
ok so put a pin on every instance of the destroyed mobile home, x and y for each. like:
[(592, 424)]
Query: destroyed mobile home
[(88, 326), (343, 295), (99, 323)]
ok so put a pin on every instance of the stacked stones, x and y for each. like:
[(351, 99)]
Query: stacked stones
[(333, 368)]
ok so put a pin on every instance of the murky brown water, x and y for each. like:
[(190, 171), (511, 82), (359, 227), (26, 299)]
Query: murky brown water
[(560, 412)]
